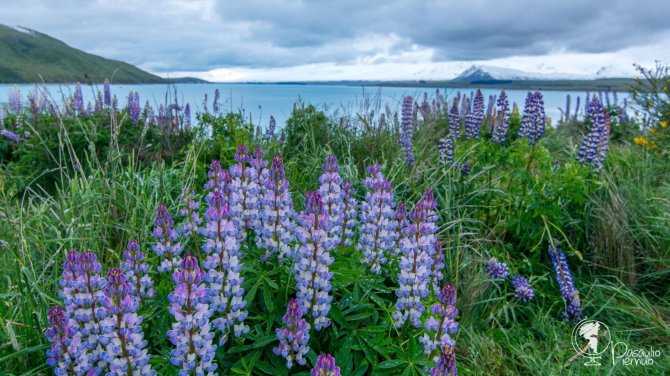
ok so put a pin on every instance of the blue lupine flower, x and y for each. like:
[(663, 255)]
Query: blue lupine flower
[(496, 269), (454, 120), (474, 119), (141, 285), (407, 129), (167, 246), (446, 149), (594, 147), (465, 108), (270, 133), (417, 247), (66, 353), (125, 348), (134, 107), (190, 334), (533, 121), (11, 135), (108, 93), (566, 283), (378, 224), (78, 99), (312, 260), (490, 105), (501, 124), (522, 288), (325, 366), (446, 363), (293, 337), (223, 264), (441, 322), (245, 190), (348, 214), (276, 214), (331, 194), (15, 100)]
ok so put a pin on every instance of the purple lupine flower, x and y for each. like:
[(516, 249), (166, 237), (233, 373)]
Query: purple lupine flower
[(187, 116), (260, 165), (78, 99), (270, 132), (191, 333), (566, 283), (190, 212), (312, 260), (490, 105), (594, 147), (223, 262), (331, 194), (407, 129), (348, 214), (417, 247), (501, 124), (454, 120), (437, 270), (377, 218), (66, 353), (134, 107), (446, 149), (474, 119), (245, 189), (89, 308), (167, 246), (148, 112), (125, 347), (11, 135), (293, 337), (276, 214), (15, 100), (522, 288), (446, 363), (141, 285), (441, 322), (108, 93), (465, 108), (325, 366), (496, 269), (533, 121)]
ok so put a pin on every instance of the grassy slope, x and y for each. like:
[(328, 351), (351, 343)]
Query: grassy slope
[(37, 57)]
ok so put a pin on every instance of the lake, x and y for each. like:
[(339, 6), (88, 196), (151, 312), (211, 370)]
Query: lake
[(259, 101)]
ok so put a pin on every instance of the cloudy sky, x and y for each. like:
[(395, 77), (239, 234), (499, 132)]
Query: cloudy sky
[(281, 40)]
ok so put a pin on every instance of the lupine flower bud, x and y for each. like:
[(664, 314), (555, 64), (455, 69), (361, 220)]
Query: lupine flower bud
[(331, 193), (312, 260), (348, 214), (125, 348), (522, 288), (167, 247), (136, 270), (501, 124), (496, 269), (325, 366), (293, 337), (407, 131), (566, 283), (446, 364), (190, 334), (66, 354), (276, 214), (441, 322)]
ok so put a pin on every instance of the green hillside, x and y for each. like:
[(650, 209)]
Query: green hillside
[(29, 56)]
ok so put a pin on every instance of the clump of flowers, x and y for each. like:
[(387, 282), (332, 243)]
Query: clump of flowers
[(167, 247), (325, 366), (66, 353), (190, 334), (331, 193), (293, 337), (533, 121), (407, 129), (441, 322), (378, 224), (501, 124), (522, 288), (122, 336), (276, 214), (497, 269), (139, 281), (594, 147), (312, 260), (348, 214), (566, 284), (245, 189)]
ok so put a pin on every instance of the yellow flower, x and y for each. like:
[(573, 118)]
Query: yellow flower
[(663, 124), (640, 141), (652, 130)]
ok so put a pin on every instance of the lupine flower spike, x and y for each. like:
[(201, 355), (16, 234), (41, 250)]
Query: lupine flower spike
[(348, 214), (66, 354), (441, 322), (566, 283), (125, 347), (331, 193), (496, 269), (167, 247), (446, 363), (312, 260), (407, 129), (522, 288), (192, 221), (245, 190), (446, 148), (139, 281), (325, 366), (190, 334), (501, 124), (276, 214), (293, 337)]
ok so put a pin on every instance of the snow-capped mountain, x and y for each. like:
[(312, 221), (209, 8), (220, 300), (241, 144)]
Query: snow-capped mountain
[(491, 73)]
